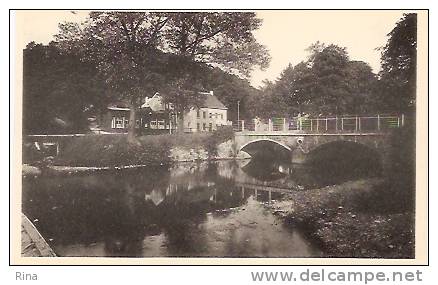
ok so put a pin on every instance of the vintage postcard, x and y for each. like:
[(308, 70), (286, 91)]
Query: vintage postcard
[(219, 137)]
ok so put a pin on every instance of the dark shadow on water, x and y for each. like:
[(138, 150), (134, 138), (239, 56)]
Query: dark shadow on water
[(330, 164), (264, 169)]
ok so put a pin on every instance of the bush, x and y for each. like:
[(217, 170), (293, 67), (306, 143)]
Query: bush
[(114, 150), (222, 134), (111, 150)]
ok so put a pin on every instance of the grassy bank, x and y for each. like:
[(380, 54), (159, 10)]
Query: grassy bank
[(362, 218), (114, 150)]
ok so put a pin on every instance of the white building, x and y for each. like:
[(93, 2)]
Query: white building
[(205, 118), (210, 114)]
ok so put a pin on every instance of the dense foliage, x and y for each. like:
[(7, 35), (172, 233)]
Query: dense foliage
[(327, 83), (58, 91), (398, 76), (138, 52)]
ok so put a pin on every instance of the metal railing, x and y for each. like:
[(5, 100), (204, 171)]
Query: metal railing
[(352, 124)]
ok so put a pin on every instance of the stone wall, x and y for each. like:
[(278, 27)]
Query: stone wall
[(225, 150)]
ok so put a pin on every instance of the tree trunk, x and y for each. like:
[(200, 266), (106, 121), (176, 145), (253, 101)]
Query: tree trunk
[(132, 139), (180, 120)]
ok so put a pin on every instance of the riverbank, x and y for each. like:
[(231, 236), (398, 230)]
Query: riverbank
[(362, 219), (53, 170), (116, 151), (100, 152), (32, 242)]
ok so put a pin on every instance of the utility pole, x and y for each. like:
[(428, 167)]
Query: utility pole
[(238, 111)]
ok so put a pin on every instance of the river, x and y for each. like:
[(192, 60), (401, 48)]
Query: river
[(215, 209)]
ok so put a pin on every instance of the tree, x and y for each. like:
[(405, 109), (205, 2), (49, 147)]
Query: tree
[(58, 90), (294, 87), (229, 89), (222, 38), (123, 45), (330, 88), (327, 83), (141, 52), (399, 63), (362, 86)]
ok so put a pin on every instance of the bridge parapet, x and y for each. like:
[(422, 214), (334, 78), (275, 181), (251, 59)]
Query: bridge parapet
[(342, 124)]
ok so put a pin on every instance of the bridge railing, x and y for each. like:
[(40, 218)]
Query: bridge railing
[(346, 124)]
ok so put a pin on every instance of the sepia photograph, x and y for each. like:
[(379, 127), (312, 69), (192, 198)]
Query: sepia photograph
[(221, 137)]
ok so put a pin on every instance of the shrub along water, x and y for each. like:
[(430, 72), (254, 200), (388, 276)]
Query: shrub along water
[(114, 150)]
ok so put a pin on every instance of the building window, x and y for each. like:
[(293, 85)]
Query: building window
[(222, 116), (113, 123), (198, 113), (198, 126), (204, 126), (210, 127), (161, 125), (211, 115), (204, 114), (119, 123)]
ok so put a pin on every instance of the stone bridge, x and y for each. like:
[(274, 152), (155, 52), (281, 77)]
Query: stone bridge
[(296, 139), (297, 146)]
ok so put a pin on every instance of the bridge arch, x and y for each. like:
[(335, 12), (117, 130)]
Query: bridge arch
[(265, 139), (342, 154), (263, 147)]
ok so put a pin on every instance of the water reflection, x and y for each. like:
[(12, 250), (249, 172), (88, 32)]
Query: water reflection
[(189, 209)]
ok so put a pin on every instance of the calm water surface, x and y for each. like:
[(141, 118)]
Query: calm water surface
[(189, 209)]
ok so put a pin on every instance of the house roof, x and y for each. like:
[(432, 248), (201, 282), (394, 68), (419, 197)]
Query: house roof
[(119, 106), (212, 102), (156, 104)]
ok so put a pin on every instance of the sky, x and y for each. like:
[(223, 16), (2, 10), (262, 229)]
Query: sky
[(286, 34)]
